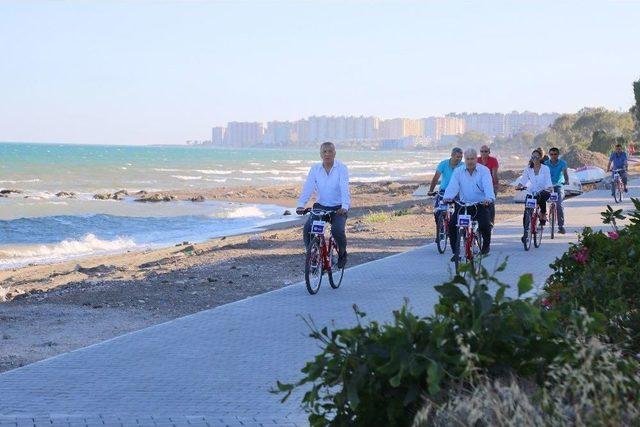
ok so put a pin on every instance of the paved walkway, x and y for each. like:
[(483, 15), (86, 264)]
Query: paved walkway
[(216, 367)]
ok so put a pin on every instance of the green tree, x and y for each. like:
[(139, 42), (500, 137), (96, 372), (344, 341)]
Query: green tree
[(635, 110), (473, 139)]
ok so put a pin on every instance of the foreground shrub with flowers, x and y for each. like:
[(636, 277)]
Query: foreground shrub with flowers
[(378, 374), (601, 273), (483, 359)]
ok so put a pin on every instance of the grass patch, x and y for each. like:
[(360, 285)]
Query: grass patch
[(380, 216)]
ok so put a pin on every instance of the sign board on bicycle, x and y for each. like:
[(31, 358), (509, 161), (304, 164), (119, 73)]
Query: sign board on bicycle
[(318, 227), (530, 203), (464, 220), (553, 197)]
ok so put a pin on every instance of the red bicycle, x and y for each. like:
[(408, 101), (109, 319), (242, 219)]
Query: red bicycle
[(533, 227), (322, 253), (469, 238)]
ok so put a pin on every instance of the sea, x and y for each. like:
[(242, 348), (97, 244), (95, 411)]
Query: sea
[(37, 227)]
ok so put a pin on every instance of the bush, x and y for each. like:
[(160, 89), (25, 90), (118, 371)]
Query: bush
[(598, 387), (375, 374), (600, 273)]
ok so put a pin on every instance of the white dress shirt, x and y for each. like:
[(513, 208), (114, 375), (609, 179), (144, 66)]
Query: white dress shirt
[(472, 187), (536, 183), (332, 188)]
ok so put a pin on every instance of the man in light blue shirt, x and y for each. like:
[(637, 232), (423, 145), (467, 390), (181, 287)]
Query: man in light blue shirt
[(444, 172), (472, 184), (620, 163), (330, 181), (559, 178)]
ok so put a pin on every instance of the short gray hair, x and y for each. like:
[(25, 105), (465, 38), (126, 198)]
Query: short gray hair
[(470, 152), (456, 150), (327, 143)]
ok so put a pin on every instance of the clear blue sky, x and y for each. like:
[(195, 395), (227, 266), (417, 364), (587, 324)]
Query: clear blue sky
[(144, 72)]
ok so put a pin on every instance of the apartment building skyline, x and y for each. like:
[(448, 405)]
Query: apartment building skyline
[(354, 129)]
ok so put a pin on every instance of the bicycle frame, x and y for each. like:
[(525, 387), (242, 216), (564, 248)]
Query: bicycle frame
[(326, 245), (470, 229)]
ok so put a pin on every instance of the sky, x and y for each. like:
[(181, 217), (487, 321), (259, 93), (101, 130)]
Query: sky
[(162, 72)]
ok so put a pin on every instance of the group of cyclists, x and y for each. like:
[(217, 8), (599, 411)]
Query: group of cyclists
[(467, 177)]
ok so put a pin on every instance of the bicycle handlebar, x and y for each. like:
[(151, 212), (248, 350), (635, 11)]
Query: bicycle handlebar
[(317, 212)]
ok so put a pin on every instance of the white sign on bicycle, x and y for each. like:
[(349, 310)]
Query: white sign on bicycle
[(553, 197), (318, 227), (464, 220), (530, 203)]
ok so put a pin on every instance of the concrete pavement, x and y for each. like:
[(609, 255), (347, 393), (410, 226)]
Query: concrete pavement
[(216, 367)]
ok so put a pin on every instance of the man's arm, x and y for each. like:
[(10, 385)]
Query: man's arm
[(565, 172), (344, 191), (487, 184), (454, 186), (494, 178), (307, 190), (609, 165), (434, 181)]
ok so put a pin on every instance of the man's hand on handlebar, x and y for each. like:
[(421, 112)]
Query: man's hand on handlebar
[(341, 212), (301, 211)]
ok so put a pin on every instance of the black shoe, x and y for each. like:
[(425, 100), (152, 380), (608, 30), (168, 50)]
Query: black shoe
[(453, 258), (626, 190), (561, 230), (523, 239), (485, 250), (342, 261)]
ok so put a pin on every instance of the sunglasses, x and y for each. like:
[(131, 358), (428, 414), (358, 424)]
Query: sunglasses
[(485, 151)]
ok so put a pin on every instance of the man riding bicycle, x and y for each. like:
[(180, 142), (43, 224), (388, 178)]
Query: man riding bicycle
[(330, 181), (472, 184), (444, 171), (536, 177), (620, 163), (559, 178)]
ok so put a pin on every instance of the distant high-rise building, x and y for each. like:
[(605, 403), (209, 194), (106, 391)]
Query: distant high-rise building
[(435, 128), (280, 133), (399, 128), (217, 135), (498, 124), (242, 134)]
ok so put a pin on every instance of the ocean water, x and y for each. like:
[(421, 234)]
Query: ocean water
[(38, 227)]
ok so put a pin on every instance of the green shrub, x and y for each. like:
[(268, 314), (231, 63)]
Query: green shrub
[(376, 374), (602, 274)]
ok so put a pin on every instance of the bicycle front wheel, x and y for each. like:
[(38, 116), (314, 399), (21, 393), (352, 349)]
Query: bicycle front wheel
[(459, 250), (313, 266), (552, 220), (617, 194), (527, 231), (476, 247), (335, 274), (441, 234)]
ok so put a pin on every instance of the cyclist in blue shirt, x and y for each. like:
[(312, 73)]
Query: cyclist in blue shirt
[(445, 171), (619, 160), (559, 178)]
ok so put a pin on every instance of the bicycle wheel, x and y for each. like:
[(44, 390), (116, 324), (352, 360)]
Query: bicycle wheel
[(552, 219), (537, 238), (459, 249), (476, 247), (335, 274), (313, 266), (617, 195), (441, 234), (527, 231)]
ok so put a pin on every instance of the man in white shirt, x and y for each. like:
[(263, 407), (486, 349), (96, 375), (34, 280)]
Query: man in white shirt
[(473, 184), (330, 181)]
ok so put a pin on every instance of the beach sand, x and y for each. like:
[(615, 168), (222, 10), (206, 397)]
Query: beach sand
[(52, 309)]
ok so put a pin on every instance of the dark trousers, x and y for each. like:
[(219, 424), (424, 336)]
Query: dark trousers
[(479, 213), (559, 189), (542, 198), (338, 223)]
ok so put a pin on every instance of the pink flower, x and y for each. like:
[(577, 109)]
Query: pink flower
[(581, 255), (546, 303), (613, 235)]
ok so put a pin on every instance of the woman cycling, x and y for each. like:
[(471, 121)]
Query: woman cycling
[(536, 178)]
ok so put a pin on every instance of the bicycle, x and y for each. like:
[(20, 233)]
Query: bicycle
[(322, 253), (553, 213), (533, 218), (443, 212), (618, 185), (468, 237)]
